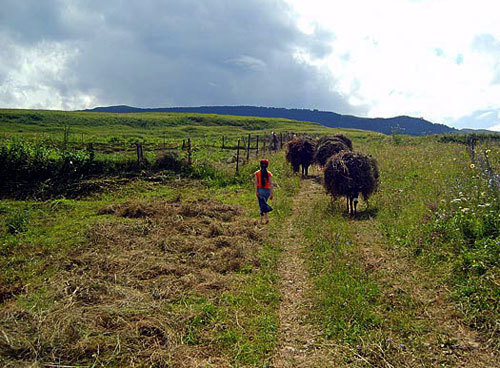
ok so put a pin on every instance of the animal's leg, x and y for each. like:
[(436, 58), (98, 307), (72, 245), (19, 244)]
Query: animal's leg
[(347, 198), (355, 205)]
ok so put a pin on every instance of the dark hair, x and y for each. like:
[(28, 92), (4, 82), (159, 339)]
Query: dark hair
[(264, 175)]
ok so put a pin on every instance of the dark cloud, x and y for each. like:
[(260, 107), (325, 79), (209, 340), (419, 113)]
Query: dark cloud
[(182, 53)]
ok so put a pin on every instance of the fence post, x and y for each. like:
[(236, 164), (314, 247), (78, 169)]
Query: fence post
[(257, 147), (238, 159), (138, 147), (248, 148), (189, 152)]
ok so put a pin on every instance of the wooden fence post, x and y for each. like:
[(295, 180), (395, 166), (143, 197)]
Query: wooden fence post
[(189, 152), (248, 148), (238, 159), (138, 147)]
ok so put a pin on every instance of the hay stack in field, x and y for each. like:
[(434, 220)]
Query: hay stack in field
[(327, 148), (300, 152), (350, 174)]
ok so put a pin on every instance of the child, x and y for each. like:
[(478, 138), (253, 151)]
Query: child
[(263, 189)]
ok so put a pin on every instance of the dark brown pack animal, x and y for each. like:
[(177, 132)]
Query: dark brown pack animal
[(300, 152), (350, 174)]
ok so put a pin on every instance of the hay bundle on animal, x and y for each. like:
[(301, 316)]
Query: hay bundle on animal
[(339, 137), (327, 147), (350, 174), (300, 152)]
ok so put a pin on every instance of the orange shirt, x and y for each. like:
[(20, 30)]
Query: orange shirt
[(266, 181)]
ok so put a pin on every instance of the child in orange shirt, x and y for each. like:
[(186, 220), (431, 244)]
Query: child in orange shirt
[(264, 189)]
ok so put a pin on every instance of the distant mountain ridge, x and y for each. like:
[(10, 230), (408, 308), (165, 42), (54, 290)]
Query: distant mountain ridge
[(399, 124)]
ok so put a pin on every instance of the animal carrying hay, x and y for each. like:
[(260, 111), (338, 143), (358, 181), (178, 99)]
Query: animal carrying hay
[(348, 173), (300, 152), (329, 148)]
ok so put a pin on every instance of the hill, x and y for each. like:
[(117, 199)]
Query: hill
[(401, 124), (97, 126)]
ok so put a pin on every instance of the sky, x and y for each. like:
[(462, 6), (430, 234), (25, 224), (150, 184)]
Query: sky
[(436, 59)]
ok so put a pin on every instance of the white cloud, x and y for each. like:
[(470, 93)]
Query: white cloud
[(407, 57), (40, 77), (495, 128)]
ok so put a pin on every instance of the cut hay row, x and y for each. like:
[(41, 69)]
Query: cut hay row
[(123, 298)]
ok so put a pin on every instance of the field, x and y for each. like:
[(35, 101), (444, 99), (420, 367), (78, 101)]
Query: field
[(162, 262)]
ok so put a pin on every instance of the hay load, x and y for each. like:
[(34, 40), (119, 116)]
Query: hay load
[(328, 147), (300, 152), (338, 137), (350, 174)]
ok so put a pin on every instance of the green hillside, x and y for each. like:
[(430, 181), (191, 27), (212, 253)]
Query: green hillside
[(148, 127)]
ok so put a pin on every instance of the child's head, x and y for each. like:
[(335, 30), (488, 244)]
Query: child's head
[(264, 163)]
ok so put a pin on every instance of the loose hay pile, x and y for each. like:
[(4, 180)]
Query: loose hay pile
[(300, 152), (349, 174), (124, 296)]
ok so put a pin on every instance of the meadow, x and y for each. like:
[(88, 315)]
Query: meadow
[(165, 265)]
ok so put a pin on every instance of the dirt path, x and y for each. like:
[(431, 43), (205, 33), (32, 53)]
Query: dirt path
[(299, 342)]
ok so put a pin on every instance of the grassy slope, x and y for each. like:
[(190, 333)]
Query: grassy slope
[(149, 127)]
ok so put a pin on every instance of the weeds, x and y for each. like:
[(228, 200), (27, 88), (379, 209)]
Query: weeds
[(17, 222)]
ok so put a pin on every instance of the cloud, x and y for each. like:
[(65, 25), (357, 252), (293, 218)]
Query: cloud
[(437, 59), (480, 119), (248, 63), (169, 53), (495, 128)]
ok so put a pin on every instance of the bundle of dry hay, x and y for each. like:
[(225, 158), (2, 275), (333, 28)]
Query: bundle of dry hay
[(350, 174), (300, 152), (328, 147), (340, 137)]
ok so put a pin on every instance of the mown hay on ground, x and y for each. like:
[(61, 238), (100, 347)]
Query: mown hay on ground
[(143, 291)]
